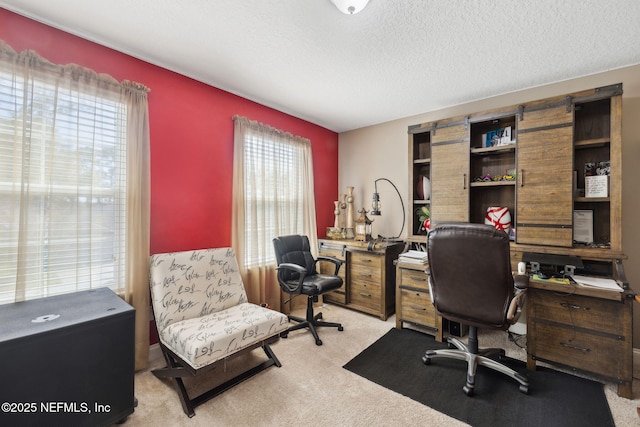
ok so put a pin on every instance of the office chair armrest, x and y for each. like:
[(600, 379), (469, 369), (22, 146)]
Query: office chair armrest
[(337, 262), (517, 303), (521, 281), (302, 273)]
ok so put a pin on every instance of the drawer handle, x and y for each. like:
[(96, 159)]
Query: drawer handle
[(365, 275), (575, 347), (573, 306), (365, 260), (365, 295), (415, 307), (422, 279)]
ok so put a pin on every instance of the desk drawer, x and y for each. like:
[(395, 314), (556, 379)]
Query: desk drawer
[(416, 307), (327, 267), (338, 296), (583, 350), (360, 273), (413, 279), (367, 260), (590, 313), (365, 294)]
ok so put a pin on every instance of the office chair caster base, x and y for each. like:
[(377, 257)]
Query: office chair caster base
[(340, 328), (426, 360), (468, 390)]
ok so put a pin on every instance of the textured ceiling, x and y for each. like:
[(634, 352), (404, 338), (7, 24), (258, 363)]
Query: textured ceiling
[(396, 58)]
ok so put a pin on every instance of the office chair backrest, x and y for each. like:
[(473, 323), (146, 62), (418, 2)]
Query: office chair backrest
[(294, 249), (470, 273)]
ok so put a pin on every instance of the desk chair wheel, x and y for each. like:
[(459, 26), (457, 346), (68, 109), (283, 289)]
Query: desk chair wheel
[(318, 342), (524, 389), (340, 328), (468, 390)]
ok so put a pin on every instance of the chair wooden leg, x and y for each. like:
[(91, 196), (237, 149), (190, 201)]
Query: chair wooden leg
[(175, 371)]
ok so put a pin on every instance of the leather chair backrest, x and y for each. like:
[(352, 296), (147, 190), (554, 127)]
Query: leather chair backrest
[(190, 284), (294, 249), (470, 273)]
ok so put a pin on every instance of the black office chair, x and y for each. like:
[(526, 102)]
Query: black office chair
[(471, 282), (297, 275)]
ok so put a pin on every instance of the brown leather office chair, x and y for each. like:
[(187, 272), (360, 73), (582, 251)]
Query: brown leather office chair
[(471, 282), (297, 275)]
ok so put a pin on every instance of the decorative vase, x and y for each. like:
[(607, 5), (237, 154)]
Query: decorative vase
[(499, 217), (349, 222), (423, 188)]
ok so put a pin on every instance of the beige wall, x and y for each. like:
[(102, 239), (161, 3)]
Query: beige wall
[(382, 151)]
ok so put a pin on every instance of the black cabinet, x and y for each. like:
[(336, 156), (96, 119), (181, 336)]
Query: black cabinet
[(67, 360)]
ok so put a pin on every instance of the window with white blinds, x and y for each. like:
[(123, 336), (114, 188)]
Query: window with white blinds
[(274, 202), (62, 187)]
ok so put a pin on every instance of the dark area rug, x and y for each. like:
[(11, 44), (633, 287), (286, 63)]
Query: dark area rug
[(554, 399)]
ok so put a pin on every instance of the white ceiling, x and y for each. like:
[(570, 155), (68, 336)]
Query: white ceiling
[(396, 58)]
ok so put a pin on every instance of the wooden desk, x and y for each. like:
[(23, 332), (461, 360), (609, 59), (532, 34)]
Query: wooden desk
[(368, 274), (583, 328)]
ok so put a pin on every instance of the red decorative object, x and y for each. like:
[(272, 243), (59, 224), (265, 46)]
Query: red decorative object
[(499, 217)]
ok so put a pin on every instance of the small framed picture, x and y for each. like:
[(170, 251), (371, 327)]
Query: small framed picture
[(583, 226)]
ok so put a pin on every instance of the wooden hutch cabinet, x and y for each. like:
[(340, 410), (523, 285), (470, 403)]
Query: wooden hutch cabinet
[(368, 274), (556, 165), (554, 142)]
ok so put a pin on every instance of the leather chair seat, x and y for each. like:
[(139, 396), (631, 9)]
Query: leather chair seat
[(319, 284)]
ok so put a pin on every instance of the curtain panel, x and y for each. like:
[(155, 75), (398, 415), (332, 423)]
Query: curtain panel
[(273, 195), (74, 184)]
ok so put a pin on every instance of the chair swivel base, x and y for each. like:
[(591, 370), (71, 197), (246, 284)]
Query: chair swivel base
[(311, 322), (480, 358)]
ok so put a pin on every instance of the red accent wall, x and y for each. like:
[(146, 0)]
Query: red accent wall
[(191, 138)]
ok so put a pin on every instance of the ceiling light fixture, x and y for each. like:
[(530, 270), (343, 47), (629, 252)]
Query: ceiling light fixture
[(350, 7)]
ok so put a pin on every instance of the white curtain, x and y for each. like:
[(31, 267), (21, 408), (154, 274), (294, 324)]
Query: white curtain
[(74, 184), (273, 195)]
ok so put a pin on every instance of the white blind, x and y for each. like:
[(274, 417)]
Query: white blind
[(274, 205), (62, 187)]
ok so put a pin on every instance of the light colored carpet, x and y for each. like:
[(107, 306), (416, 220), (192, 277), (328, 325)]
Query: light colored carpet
[(312, 388)]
